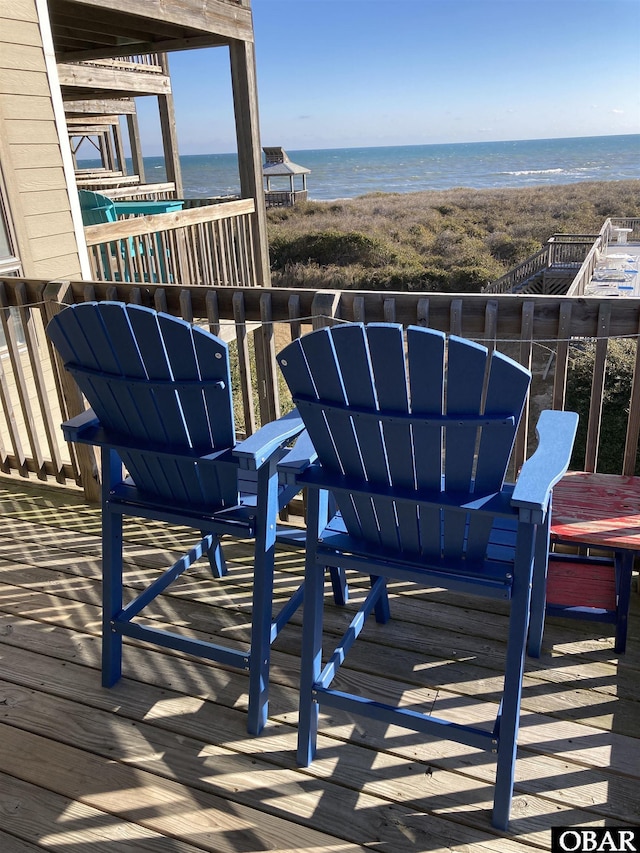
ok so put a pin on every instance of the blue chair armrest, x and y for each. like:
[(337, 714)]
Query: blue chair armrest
[(77, 428), (297, 460), (258, 448), (556, 434)]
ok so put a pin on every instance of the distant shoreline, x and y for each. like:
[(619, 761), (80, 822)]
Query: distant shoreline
[(462, 189)]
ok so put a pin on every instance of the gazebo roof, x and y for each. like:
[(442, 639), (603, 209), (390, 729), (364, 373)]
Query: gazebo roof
[(277, 163)]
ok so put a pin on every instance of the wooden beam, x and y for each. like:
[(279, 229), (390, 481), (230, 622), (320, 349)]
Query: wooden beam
[(102, 121), (214, 16), (102, 77), (99, 107), (135, 145), (167, 45)]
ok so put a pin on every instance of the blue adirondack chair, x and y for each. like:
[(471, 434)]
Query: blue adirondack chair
[(161, 403), (96, 208), (413, 438)]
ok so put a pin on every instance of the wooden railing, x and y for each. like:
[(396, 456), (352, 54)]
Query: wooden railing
[(285, 198), (561, 250), (578, 250), (543, 333), (147, 192), (211, 245)]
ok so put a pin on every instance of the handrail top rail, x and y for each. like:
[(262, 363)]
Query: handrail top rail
[(158, 222)]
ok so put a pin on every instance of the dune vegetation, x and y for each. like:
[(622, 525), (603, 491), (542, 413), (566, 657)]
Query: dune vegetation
[(453, 241)]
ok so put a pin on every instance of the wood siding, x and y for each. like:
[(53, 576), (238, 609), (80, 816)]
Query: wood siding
[(30, 152)]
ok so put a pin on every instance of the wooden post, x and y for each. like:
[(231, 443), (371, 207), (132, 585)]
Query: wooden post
[(117, 138), (56, 295), (597, 388), (324, 308), (633, 424), (169, 134), (134, 142), (245, 101)]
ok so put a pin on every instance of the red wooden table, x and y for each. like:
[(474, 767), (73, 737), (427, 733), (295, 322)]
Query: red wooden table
[(601, 511)]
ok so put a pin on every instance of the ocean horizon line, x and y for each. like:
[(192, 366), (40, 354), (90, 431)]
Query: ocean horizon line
[(336, 173)]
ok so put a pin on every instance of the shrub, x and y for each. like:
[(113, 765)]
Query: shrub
[(329, 247)]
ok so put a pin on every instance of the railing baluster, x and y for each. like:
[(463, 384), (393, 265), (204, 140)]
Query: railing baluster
[(56, 296), (33, 342), (213, 312), (422, 312), (562, 357), (597, 388), (455, 315), (633, 424), (244, 363), (295, 326), (266, 367)]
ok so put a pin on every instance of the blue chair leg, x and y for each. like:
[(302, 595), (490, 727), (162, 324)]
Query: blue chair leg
[(311, 659), (260, 654), (111, 574), (382, 609), (539, 590), (507, 731), (339, 585), (623, 561), (216, 558)]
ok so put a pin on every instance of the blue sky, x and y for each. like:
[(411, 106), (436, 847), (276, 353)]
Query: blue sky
[(350, 73)]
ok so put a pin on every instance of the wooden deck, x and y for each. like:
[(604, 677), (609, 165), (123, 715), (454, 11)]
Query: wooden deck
[(161, 762)]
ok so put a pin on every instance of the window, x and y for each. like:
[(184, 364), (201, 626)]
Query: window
[(9, 261)]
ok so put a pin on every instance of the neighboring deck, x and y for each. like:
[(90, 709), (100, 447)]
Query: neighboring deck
[(162, 762)]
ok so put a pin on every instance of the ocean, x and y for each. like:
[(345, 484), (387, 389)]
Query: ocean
[(350, 172)]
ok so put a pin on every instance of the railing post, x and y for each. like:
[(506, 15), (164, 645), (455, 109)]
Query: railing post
[(633, 424), (325, 308), (57, 294), (266, 367), (597, 388)]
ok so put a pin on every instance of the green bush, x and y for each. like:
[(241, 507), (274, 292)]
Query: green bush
[(329, 247)]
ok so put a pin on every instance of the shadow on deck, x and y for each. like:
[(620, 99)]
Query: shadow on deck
[(162, 761)]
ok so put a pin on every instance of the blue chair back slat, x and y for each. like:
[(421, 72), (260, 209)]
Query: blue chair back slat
[(507, 388), (369, 460), (466, 365), (333, 434), (213, 362), (296, 367), (386, 344), (426, 360), (150, 391), (352, 357)]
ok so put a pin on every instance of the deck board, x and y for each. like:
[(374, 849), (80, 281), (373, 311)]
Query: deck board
[(162, 761)]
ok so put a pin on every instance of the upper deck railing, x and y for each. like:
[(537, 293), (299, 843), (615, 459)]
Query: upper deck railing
[(541, 332), (211, 244), (576, 252)]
